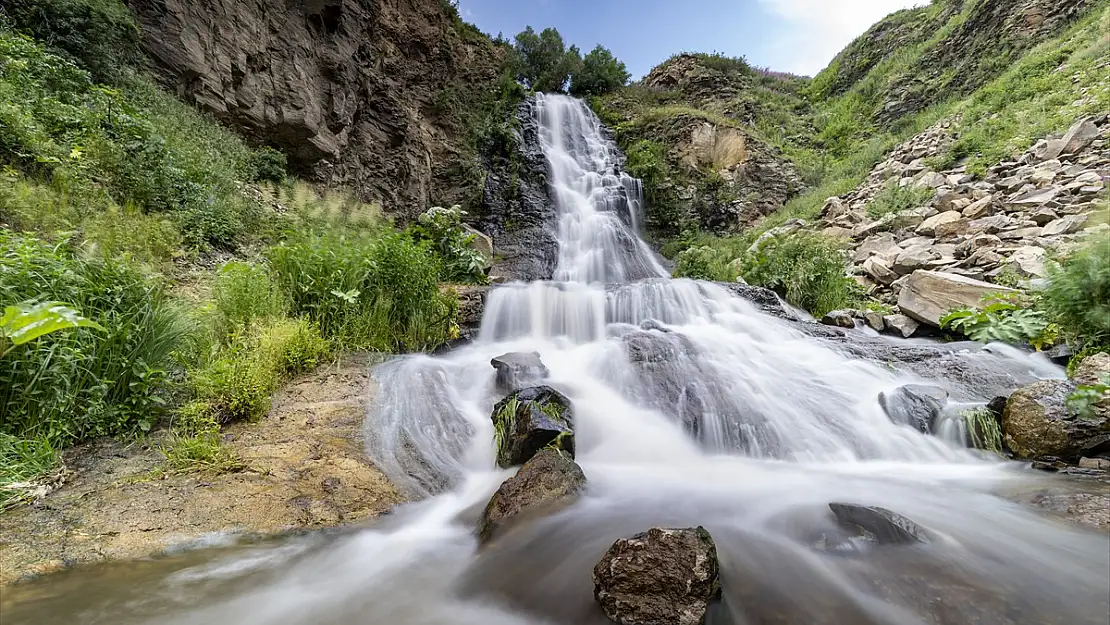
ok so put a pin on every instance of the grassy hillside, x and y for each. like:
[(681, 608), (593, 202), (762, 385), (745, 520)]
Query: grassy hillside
[(210, 276)]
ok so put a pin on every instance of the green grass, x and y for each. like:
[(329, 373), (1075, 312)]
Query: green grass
[(895, 199), (1077, 294), (983, 429), (22, 461)]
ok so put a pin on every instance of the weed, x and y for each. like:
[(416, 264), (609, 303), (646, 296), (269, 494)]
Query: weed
[(894, 198)]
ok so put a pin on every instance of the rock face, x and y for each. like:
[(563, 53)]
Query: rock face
[(929, 295), (915, 405), (347, 89), (517, 208), (1037, 421), (880, 525), (529, 420), (548, 482), (518, 370), (660, 577)]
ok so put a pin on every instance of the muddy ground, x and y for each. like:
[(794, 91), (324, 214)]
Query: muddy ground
[(303, 468)]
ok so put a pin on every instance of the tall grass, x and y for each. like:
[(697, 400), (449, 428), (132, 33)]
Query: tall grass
[(66, 388), (367, 291), (1077, 294)]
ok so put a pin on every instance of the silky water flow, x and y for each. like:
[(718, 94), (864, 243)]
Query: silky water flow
[(691, 407)]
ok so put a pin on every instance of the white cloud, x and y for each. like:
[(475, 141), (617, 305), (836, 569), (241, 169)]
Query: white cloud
[(821, 28)]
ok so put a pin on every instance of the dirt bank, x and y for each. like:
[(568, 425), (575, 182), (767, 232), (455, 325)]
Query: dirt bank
[(303, 468)]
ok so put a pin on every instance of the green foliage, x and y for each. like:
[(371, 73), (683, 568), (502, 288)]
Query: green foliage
[(268, 165), (647, 160), (28, 321), (86, 382), (542, 61), (504, 421), (368, 291), (599, 73), (245, 294), (99, 35), (1085, 397), (894, 198), (808, 269), (138, 147), (21, 462), (703, 263), (442, 229), (983, 429), (1004, 319), (238, 383), (1077, 294)]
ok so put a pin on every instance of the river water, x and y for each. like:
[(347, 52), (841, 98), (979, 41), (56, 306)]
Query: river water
[(691, 407)]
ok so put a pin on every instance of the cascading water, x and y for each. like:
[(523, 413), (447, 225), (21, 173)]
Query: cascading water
[(691, 408)]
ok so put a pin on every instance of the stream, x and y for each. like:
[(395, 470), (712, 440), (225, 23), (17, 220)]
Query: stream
[(691, 407)]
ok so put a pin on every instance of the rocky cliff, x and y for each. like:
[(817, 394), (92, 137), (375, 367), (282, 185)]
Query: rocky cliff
[(355, 92)]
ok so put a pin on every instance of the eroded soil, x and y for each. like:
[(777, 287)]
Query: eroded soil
[(303, 468)]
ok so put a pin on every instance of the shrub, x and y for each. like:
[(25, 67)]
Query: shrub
[(1077, 294), (245, 293), (268, 165), (1003, 319), (894, 198), (703, 263), (238, 384), (100, 35), (86, 383), (364, 290), (442, 229), (807, 269)]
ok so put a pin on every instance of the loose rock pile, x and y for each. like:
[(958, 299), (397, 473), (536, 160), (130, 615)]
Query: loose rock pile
[(971, 234)]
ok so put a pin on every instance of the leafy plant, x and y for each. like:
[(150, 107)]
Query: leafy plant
[(1002, 319), (442, 228), (26, 322), (808, 269), (1077, 293), (245, 293), (599, 72), (1084, 398)]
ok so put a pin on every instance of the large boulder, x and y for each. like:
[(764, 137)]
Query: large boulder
[(915, 405), (1038, 422), (529, 420), (660, 577), (547, 483), (518, 370), (929, 295)]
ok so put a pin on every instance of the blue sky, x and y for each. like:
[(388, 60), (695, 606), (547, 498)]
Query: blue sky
[(799, 36)]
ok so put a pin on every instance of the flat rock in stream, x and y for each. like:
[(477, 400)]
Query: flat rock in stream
[(530, 420), (659, 577), (915, 405), (547, 483), (880, 525), (517, 370)]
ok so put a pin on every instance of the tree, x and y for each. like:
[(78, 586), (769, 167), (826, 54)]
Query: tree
[(543, 61), (599, 73)]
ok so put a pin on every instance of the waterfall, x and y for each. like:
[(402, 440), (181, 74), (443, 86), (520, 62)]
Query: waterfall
[(691, 407)]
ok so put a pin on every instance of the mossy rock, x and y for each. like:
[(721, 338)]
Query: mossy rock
[(530, 420)]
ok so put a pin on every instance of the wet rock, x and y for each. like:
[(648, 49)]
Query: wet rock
[(1037, 422), (929, 295), (547, 483), (915, 405), (529, 420), (517, 370), (875, 320), (881, 525), (900, 325), (1100, 464), (840, 318), (660, 577)]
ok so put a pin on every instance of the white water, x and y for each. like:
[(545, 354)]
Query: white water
[(690, 407)]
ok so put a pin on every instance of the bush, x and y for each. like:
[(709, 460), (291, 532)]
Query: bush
[(365, 290), (268, 165), (245, 294), (894, 198), (238, 384), (442, 229), (100, 35), (1077, 294), (139, 147), (807, 269), (703, 263), (86, 383)]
